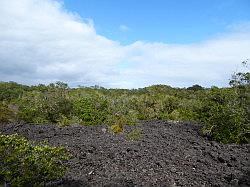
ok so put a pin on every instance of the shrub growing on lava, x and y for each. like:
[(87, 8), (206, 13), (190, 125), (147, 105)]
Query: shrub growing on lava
[(23, 163)]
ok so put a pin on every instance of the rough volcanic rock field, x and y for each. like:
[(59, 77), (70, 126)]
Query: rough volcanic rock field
[(167, 154)]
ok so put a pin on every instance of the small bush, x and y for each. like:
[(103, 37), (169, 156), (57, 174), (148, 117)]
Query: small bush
[(90, 110), (223, 116), (5, 113), (64, 121), (24, 164), (134, 135), (116, 128)]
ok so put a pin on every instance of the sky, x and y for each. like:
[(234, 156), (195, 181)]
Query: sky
[(123, 44), (168, 21)]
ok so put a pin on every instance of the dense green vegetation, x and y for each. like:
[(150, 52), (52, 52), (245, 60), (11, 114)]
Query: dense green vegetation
[(224, 112), (22, 163)]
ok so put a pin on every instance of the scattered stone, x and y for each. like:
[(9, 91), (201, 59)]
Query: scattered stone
[(167, 154)]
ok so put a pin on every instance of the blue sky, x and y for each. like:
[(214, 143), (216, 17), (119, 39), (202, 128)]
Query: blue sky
[(169, 21), (123, 43)]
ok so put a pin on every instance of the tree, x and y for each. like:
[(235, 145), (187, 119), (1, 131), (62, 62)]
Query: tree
[(195, 87)]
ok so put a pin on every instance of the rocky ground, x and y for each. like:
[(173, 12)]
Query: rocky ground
[(166, 154)]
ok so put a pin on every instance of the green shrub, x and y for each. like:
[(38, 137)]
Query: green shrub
[(134, 135), (5, 113), (90, 110), (44, 107), (189, 109), (225, 112), (30, 108), (174, 115), (117, 128), (65, 121), (24, 164), (223, 116), (11, 90), (195, 87)]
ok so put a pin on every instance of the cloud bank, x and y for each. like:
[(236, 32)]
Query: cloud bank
[(41, 42)]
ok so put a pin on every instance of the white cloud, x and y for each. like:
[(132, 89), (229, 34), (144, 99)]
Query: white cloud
[(124, 28), (41, 42), (207, 63)]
